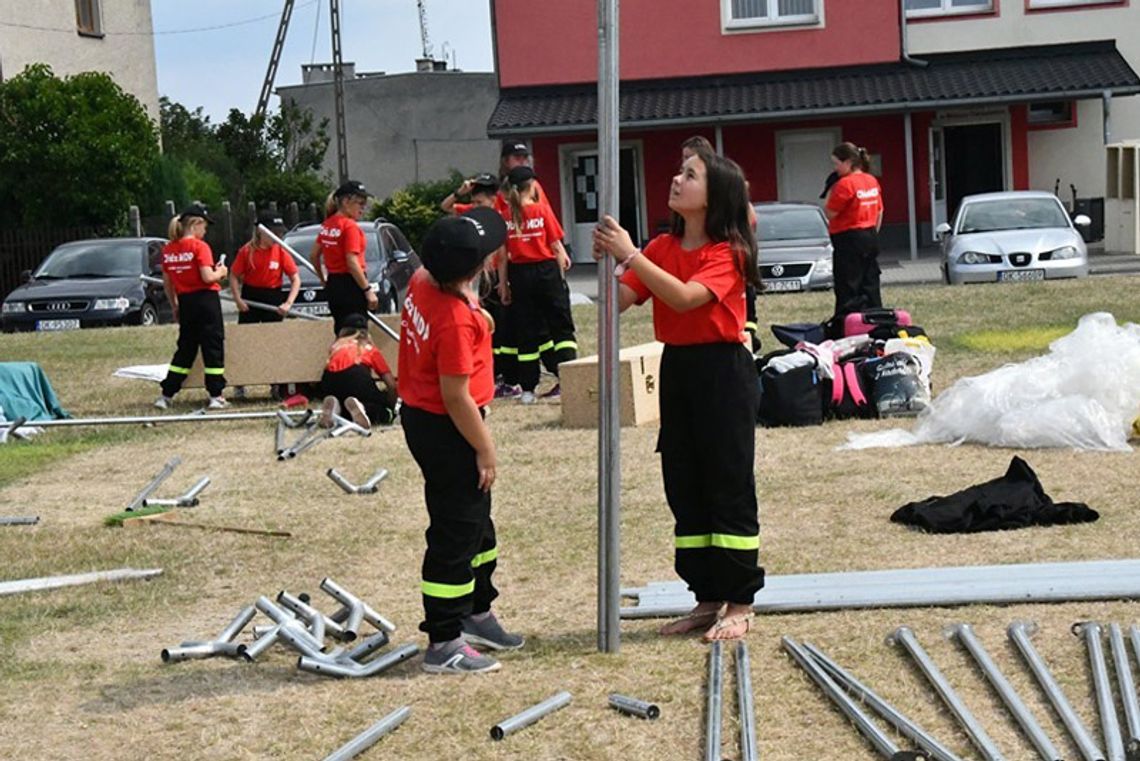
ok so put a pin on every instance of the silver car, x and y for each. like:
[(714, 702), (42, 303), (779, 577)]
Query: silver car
[(795, 249), (1016, 236)]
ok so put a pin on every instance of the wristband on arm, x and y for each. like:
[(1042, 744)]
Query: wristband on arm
[(622, 266)]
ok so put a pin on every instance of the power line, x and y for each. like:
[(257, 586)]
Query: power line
[(71, 30)]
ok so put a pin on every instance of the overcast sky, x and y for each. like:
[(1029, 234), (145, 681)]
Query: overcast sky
[(223, 68)]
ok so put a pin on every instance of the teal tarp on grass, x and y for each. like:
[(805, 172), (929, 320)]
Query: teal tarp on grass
[(25, 391)]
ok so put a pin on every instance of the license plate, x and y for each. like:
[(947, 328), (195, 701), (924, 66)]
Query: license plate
[(783, 285), (319, 310), (57, 324), (1020, 276)]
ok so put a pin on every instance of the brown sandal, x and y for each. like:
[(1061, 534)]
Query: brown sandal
[(728, 622), (692, 620)]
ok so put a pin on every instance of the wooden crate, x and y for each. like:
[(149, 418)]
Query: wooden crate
[(638, 383), (293, 351)]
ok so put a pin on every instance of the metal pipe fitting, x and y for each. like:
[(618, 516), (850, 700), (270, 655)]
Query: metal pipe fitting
[(150, 488), (263, 642), (193, 492), (366, 647), (370, 736), (296, 636), (882, 744), (342, 426), (19, 520), (1127, 691), (964, 634), (341, 481), (308, 439), (175, 502), (355, 608), (279, 438), (744, 703), (641, 708), (289, 422), (905, 637), (1090, 631), (370, 615), (260, 631), (205, 650), (888, 712), (713, 688), (372, 485), (307, 613), (239, 622), (531, 715), (1019, 632), (325, 667)]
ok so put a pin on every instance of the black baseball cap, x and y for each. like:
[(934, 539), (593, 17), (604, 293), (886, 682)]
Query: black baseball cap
[(351, 188), (454, 247), (520, 175), (271, 219), (195, 210), (514, 147), (356, 321), (485, 181)]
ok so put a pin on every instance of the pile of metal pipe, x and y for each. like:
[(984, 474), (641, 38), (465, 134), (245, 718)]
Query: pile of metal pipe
[(315, 430), (295, 623), (371, 486)]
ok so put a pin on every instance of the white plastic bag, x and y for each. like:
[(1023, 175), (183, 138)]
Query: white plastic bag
[(1083, 394)]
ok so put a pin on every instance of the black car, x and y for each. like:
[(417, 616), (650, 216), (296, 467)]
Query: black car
[(388, 259), (88, 284)]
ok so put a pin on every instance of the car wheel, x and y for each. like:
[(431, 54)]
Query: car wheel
[(148, 315)]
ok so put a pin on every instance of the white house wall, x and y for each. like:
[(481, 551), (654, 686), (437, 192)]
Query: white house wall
[(1075, 155), (126, 52)]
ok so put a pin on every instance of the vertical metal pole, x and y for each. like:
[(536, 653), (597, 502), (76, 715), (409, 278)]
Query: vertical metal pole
[(912, 218), (609, 420), (719, 135), (1127, 690), (1106, 97), (1109, 724), (338, 93), (713, 691), (745, 704)]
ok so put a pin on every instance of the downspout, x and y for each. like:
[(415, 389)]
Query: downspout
[(904, 48)]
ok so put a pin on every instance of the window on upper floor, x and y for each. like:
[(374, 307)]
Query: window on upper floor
[(1052, 114), (89, 17), (749, 14), (1038, 4), (917, 8)]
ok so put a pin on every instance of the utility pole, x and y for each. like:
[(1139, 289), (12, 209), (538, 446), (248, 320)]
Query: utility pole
[(274, 60), (338, 91), (424, 28)]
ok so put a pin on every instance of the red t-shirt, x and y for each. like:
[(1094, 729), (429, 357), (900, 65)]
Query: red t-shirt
[(540, 231), (713, 265), (504, 208), (338, 237), (263, 267), (462, 208), (181, 260), (348, 352), (857, 200), (441, 334)]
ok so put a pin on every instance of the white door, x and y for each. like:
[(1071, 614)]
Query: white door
[(580, 196), (804, 161), (937, 180)]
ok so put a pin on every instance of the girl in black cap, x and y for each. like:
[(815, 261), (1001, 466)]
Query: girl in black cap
[(192, 282), (341, 244), (446, 383)]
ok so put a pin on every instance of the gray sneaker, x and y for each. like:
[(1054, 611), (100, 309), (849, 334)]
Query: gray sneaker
[(460, 659), (330, 408), (490, 633)]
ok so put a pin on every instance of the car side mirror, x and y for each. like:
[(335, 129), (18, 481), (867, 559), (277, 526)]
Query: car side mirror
[(1082, 220), (400, 257), (26, 276), (942, 230)]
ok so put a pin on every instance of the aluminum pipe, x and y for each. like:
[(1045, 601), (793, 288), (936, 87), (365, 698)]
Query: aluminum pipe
[(239, 622), (714, 687), (343, 425), (279, 439), (19, 520), (345, 670), (193, 417), (370, 736), (748, 750), (882, 744), (890, 714), (1090, 631), (905, 637), (150, 488), (370, 615), (1019, 632), (355, 607), (372, 485), (965, 636), (366, 647), (641, 708), (205, 650), (287, 418), (175, 502), (193, 492), (341, 481), (531, 715), (1127, 691), (259, 305), (262, 643), (307, 613)]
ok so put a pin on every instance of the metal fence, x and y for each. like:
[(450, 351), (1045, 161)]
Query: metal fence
[(24, 249)]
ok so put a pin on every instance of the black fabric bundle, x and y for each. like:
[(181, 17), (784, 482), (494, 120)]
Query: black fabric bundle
[(1015, 500)]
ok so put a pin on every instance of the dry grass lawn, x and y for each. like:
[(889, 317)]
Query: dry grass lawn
[(80, 675)]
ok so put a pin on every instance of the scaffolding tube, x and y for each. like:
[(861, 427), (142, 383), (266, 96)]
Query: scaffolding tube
[(641, 708), (370, 615), (19, 520), (307, 613), (1019, 632), (56, 582), (878, 739), (745, 705), (1127, 691), (203, 650), (341, 481), (354, 605), (1090, 631), (531, 715), (370, 736), (713, 701), (366, 647), (344, 670), (888, 712), (152, 487), (153, 419), (964, 634)]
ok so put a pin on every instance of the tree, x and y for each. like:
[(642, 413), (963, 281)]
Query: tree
[(73, 151)]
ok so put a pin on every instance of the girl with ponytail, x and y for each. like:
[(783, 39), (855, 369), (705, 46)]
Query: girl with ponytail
[(855, 213)]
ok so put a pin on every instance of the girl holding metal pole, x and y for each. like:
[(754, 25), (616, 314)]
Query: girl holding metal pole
[(446, 382), (696, 276), (192, 283), (340, 244), (258, 271)]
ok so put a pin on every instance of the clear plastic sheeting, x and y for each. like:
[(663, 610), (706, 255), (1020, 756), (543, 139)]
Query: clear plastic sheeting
[(1083, 394)]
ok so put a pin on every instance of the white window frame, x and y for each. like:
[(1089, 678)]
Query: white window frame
[(731, 24), (946, 9), (1037, 5)]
